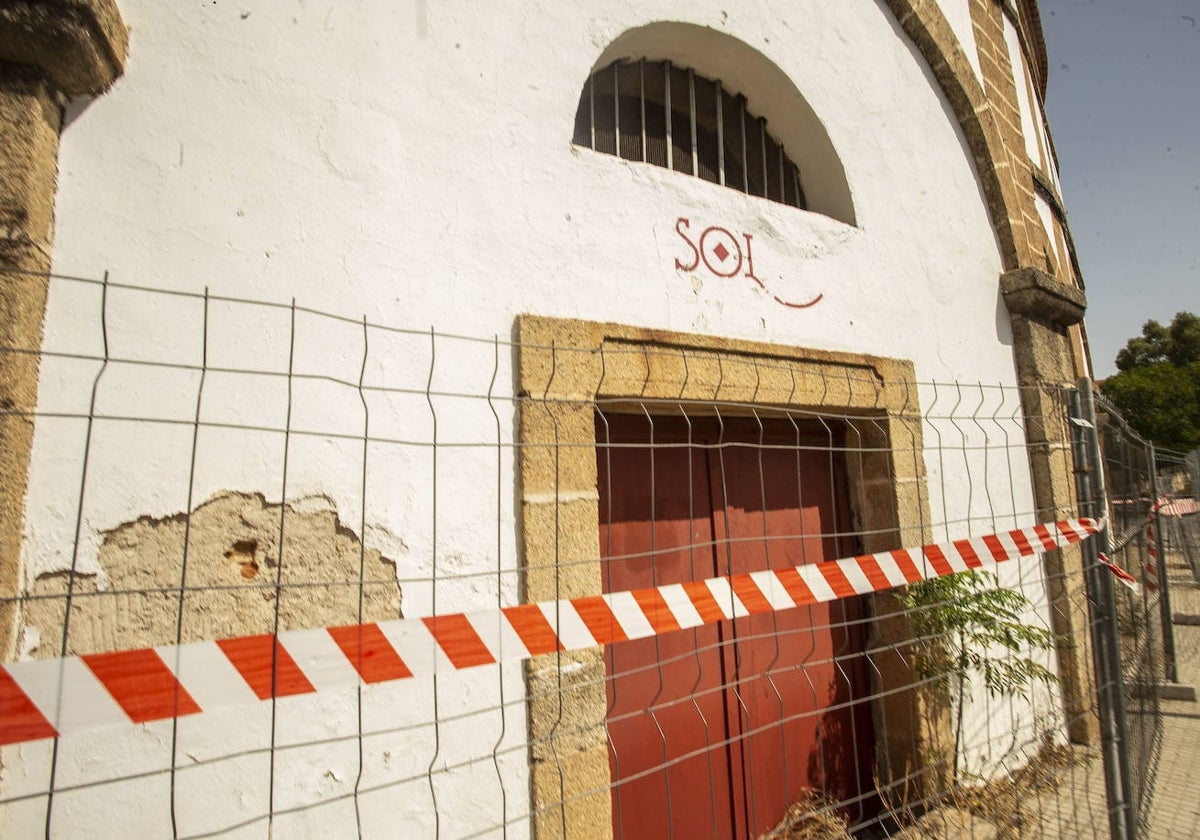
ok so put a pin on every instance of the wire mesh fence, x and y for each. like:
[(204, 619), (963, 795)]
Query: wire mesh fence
[(291, 573), (1179, 508), (1136, 630), (1181, 535)]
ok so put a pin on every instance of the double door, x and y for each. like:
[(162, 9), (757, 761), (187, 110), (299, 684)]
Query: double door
[(713, 731)]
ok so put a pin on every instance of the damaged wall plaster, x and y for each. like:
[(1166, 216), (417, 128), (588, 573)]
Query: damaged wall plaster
[(232, 565)]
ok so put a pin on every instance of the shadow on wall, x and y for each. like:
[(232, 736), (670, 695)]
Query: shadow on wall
[(1004, 330), (841, 762), (234, 567), (839, 772)]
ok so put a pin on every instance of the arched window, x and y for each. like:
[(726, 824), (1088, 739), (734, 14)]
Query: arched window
[(709, 133)]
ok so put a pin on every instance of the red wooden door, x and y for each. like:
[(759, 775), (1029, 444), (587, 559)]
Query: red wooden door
[(713, 731), (655, 538)]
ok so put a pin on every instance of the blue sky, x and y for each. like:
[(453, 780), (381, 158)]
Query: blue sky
[(1123, 104)]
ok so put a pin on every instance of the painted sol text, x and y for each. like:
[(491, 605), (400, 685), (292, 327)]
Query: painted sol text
[(722, 254)]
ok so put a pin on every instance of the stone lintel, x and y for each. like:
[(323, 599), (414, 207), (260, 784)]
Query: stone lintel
[(79, 44), (1039, 296)]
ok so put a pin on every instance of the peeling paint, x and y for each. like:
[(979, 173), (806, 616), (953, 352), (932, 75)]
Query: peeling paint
[(234, 563)]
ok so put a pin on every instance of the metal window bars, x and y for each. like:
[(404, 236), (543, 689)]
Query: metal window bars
[(658, 113)]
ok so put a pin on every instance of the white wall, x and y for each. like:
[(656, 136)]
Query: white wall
[(413, 164)]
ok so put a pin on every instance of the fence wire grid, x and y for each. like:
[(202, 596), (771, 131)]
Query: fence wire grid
[(207, 468)]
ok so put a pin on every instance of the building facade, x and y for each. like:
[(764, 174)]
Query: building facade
[(439, 248)]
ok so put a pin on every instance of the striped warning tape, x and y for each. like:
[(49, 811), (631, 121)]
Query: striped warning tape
[(1164, 506), (1151, 567), (1120, 574), (45, 699), (1178, 507)]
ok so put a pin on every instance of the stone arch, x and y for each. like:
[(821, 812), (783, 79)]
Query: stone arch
[(769, 93), (930, 32)]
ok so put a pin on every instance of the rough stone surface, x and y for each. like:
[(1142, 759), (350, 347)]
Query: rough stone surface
[(1177, 691), (568, 746), (80, 44), (1033, 293), (29, 126), (233, 564), (1000, 89), (48, 48)]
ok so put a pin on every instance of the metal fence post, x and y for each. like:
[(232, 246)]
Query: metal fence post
[(1164, 585), (1089, 482)]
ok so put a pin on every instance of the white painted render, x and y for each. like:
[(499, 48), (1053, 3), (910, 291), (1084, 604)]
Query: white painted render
[(413, 164)]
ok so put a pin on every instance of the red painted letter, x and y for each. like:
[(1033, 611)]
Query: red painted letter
[(681, 225), (721, 252), (750, 259)]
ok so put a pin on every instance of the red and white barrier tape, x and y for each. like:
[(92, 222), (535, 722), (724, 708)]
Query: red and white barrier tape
[(1151, 567), (1162, 506), (1178, 507), (1120, 574), (45, 699)]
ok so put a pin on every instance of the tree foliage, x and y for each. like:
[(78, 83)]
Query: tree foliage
[(1178, 344), (966, 625), (1158, 387)]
